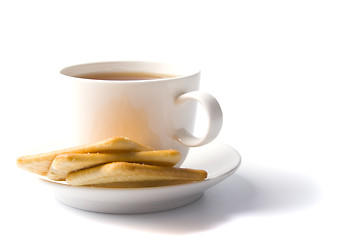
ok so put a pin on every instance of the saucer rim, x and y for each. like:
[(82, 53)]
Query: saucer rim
[(150, 199)]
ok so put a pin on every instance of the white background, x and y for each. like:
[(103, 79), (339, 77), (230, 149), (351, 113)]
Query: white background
[(286, 74)]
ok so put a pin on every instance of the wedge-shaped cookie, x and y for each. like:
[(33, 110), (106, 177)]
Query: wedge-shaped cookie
[(141, 184), (66, 163), (40, 163), (122, 172)]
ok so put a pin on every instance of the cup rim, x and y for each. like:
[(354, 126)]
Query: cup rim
[(186, 69)]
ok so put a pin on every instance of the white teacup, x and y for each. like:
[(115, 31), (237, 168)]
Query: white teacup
[(156, 112)]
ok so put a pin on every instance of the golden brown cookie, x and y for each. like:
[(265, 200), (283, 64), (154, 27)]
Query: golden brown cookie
[(66, 163), (40, 163), (141, 184), (122, 172)]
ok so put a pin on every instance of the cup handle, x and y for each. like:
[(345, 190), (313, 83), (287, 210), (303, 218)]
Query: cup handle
[(215, 119)]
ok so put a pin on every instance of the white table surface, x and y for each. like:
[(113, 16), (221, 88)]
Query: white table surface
[(286, 74)]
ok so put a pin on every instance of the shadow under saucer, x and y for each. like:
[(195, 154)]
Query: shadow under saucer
[(266, 191)]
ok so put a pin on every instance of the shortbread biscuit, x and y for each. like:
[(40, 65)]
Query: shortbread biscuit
[(40, 163), (65, 163), (132, 172), (141, 184)]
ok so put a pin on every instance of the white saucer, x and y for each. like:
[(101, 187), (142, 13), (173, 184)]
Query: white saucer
[(218, 159)]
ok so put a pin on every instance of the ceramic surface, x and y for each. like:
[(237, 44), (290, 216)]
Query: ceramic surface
[(218, 159), (159, 113)]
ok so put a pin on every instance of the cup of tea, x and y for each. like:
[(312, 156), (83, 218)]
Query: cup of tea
[(150, 102)]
